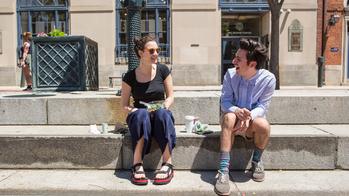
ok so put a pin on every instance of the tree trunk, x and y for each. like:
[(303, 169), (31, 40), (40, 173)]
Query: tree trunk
[(275, 7), (274, 49)]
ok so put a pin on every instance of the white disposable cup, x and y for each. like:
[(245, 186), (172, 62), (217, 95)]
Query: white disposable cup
[(105, 128), (190, 123)]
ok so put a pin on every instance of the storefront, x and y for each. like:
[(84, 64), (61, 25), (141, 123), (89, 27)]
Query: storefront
[(198, 38)]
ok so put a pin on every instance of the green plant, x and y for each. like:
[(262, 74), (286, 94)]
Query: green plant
[(56, 33)]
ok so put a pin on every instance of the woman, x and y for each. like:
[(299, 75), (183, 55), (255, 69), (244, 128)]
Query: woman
[(25, 60), (149, 82)]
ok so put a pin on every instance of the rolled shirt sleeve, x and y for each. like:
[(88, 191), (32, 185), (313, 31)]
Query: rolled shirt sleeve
[(227, 94), (264, 101)]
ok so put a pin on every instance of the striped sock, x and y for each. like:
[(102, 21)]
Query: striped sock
[(224, 162), (257, 154)]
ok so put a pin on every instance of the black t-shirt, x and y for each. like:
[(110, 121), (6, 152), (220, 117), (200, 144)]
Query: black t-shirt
[(153, 90)]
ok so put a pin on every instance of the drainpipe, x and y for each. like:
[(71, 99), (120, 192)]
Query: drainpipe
[(321, 59)]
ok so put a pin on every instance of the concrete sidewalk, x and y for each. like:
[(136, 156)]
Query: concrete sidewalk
[(107, 182)]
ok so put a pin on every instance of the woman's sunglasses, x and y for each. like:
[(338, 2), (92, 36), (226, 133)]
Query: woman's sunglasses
[(152, 50)]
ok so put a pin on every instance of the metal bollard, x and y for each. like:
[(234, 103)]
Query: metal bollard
[(320, 62)]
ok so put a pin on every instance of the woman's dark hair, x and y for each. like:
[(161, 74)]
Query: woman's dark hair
[(140, 43), (255, 52)]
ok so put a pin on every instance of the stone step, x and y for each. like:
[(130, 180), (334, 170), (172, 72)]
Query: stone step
[(108, 183), (84, 108), (73, 147)]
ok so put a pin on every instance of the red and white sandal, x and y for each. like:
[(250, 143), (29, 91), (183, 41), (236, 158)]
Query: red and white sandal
[(169, 172), (138, 181)]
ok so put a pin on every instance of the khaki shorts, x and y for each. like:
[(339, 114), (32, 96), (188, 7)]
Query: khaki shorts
[(243, 134), (238, 133)]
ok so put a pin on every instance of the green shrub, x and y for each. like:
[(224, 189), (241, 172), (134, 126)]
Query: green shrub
[(56, 33)]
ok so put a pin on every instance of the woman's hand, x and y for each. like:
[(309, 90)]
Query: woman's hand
[(167, 104), (133, 110), (130, 109), (169, 92), (21, 63)]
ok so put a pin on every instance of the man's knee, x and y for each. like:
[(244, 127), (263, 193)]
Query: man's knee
[(261, 125), (228, 120)]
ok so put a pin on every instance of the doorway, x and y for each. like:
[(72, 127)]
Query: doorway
[(230, 45), (234, 28)]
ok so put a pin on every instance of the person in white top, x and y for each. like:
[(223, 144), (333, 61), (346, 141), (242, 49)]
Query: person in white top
[(25, 60)]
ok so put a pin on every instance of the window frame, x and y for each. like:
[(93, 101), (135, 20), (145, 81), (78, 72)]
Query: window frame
[(295, 27), (23, 6)]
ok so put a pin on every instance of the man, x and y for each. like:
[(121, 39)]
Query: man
[(246, 95)]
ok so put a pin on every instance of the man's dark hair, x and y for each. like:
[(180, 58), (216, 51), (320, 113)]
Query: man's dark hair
[(141, 42), (255, 52)]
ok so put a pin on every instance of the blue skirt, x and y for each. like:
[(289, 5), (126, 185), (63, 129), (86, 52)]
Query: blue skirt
[(158, 124)]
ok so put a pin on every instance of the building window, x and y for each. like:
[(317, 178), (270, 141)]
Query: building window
[(155, 20), (295, 37), (42, 15), (38, 16), (240, 25)]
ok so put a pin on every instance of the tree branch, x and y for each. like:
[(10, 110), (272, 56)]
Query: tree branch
[(281, 2)]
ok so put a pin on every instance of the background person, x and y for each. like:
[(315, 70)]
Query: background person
[(149, 82), (25, 60)]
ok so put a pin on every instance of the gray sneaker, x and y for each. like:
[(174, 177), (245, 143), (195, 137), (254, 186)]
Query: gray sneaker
[(258, 171), (222, 184)]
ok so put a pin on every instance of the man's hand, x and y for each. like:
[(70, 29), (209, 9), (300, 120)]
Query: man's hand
[(242, 126), (243, 114)]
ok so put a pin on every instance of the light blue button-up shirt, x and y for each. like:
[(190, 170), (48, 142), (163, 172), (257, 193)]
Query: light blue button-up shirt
[(254, 94)]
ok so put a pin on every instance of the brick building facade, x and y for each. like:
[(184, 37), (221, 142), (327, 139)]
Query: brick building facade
[(332, 40)]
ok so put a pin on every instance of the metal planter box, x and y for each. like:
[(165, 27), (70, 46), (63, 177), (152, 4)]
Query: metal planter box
[(68, 63)]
